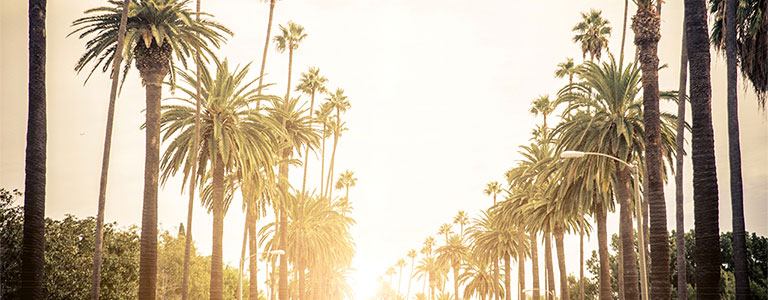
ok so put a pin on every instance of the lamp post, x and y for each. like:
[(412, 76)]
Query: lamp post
[(240, 277), (641, 234)]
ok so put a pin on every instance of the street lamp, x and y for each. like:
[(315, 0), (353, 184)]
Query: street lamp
[(641, 233), (242, 263)]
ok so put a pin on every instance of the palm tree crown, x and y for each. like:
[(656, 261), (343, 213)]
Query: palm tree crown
[(592, 34), (290, 37)]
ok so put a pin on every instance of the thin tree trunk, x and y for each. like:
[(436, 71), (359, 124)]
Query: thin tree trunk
[(217, 263), (306, 152), (290, 69), (629, 260), (734, 155), (496, 278), (620, 258), (253, 250), (193, 178), (148, 250), (399, 279), (581, 264), (507, 278), (266, 48), (521, 275), (682, 281), (282, 292), (564, 294), (535, 267), (550, 268), (322, 160), (646, 25), (705, 191), (408, 293), (301, 266), (33, 241), (98, 242), (456, 282), (623, 33), (602, 250), (333, 159), (242, 259)]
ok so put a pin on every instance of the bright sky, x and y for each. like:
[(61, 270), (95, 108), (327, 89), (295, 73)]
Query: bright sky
[(440, 91)]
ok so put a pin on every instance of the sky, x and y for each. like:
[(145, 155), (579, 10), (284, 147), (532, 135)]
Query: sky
[(440, 92)]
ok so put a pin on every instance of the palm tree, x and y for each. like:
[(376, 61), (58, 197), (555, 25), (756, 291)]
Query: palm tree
[(705, 195), (33, 242), (323, 115), (311, 82), (432, 272), (97, 249), (400, 264), (412, 256), (445, 229), (624, 32), (615, 128), (495, 237), (298, 133), (461, 219), (646, 24), (390, 271), (346, 180), (738, 16), (542, 105), (751, 40), (234, 139), (266, 43), (592, 34), (682, 280), (157, 30), (340, 103), (478, 278), (493, 189), (453, 253), (566, 69), (290, 39)]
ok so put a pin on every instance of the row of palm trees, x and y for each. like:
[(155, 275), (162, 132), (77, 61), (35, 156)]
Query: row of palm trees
[(548, 197), (225, 134)]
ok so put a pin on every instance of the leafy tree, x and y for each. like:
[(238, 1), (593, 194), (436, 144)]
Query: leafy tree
[(592, 34)]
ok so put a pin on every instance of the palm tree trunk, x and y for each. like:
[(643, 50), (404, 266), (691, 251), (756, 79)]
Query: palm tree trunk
[(496, 278), (521, 275), (148, 249), (217, 264), (734, 155), (242, 259), (620, 274), (646, 25), (629, 260), (266, 48), (272, 289), (33, 242), (322, 160), (456, 281), (564, 294), (550, 267), (682, 281), (705, 197), (333, 159), (408, 292), (602, 250), (581, 264), (301, 266), (253, 249), (507, 278), (535, 266), (290, 68), (282, 288), (623, 33), (117, 60), (399, 279), (306, 152)]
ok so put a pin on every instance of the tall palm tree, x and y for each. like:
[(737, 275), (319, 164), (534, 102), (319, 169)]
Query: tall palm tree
[(432, 272), (478, 278), (412, 256), (340, 104), (311, 82), (461, 219), (647, 26), (266, 43), (289, 40), (390, 272), (705, 195), (445, 230), (156, 31), (452, 254), (346, 180), (542, 105), (496, 236), (592, 34), (740, 15), (33, 242), (298, 133), (97, 245), (400, 264), (234, 139), (323, 115), (566, 69), (492, 189), (682, 280), (616, 128)]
